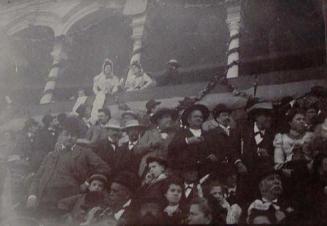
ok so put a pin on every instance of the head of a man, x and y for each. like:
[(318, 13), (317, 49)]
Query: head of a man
[(195, 119), (263, 120), (97, 183), (113, 130), (156, 167), (134, 132), (104, 115), (217, 190), (199, 212), (222, 115), (165, 121), (107, 69), (270, 186)]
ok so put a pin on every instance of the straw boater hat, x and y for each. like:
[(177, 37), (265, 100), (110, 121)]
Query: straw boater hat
[(173, 62), (113, 124), (133, 124), (200, 107)]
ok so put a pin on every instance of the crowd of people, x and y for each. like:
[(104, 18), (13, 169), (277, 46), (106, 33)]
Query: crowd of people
[(267, 164)]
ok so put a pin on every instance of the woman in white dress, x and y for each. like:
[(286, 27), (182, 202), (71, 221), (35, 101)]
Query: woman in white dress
[(137, 79), (106, 83)]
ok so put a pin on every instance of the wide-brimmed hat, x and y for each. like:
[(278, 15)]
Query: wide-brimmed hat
[(99, 177), (112, 124), (173, 62), (219, 109), (158, 159), (129, 112), (163, 111), (151, 104), (199, 107), (133, 124), (265, 108)]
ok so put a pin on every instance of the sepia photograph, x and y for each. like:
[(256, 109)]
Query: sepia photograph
[(163, 112)]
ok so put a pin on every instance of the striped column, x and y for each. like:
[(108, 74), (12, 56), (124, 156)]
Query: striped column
[(137, 25), (59, 56), (233, 22)]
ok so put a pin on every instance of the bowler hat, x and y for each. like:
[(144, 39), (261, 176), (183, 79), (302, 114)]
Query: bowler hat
[(196, 107)]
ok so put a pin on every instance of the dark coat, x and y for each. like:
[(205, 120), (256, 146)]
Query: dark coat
[(45, 141), (63, 171), (223, 146), (119, 159), (151, 192), (248, 148), (183, 156)]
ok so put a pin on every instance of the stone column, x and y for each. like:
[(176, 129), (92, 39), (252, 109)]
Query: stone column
[(233, 8), (136, 9), (59, 58)]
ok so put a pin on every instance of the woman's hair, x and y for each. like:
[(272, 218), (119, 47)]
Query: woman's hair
[(292, 113), (203, 206), (172, 180)]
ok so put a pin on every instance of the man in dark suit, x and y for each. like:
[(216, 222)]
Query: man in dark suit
[(189, 147), (63, 171), (45, 140), (256, 146), (222, 141)]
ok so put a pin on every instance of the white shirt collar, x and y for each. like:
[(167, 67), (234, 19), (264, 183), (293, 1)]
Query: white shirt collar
[(196, 132), (120, 212), (256, 129)]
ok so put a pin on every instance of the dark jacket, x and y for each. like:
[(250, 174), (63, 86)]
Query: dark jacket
[(63, 171), (183, 156), (119, 159)]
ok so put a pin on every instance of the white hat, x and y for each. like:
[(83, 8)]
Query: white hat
[(113, 124), (133, 123)]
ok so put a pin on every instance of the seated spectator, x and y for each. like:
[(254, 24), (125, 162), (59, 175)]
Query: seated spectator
[(106, 83), (157, 170), (96, 132), (77, 206), (199, 212), (173, 211), (120, 209), (81, 99), (137, 79), (223, 210), (171, 75), (155, 141), (63, 171), (270, 206)]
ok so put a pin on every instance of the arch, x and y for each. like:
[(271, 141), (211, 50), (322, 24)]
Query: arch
[(42, 18), (83, 13)]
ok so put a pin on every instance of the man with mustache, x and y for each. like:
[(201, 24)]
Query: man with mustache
[(270, 207), (222, 141)]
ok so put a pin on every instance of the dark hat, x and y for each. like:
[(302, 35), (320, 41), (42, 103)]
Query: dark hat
[(128, 180), (174, 62), (151, 104), (200, 107), (220, 108), (30, 122), (99, 177), (161, 112), (157, 159), (263, 108), (47, 119), (107, 61), (72, 125)]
